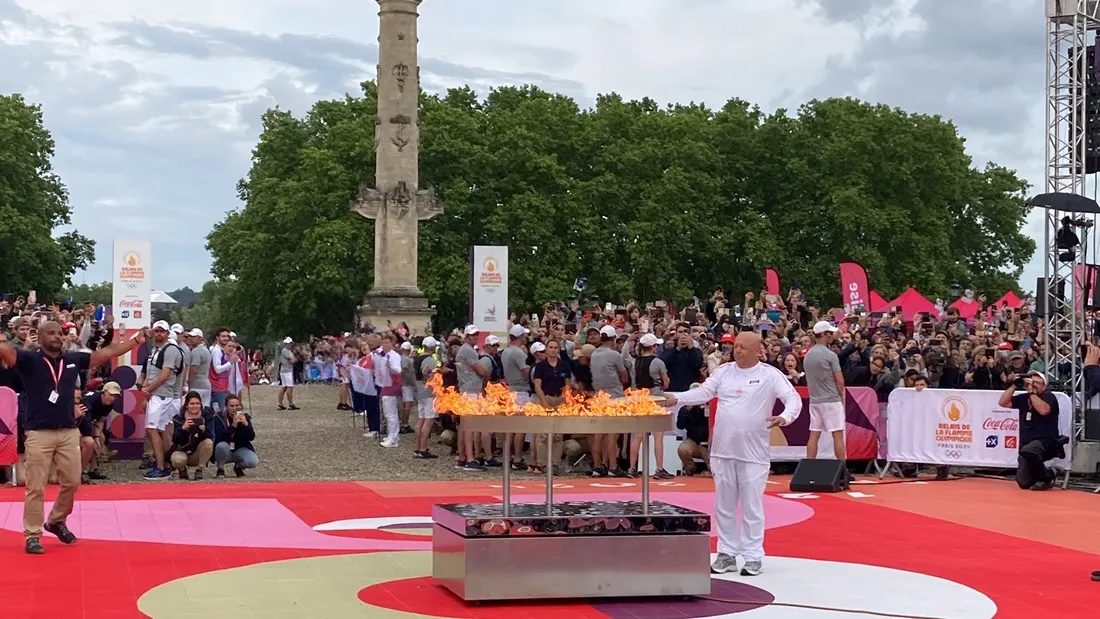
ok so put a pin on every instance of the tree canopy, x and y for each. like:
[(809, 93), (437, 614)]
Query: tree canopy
[(645, 201), (33, 204)]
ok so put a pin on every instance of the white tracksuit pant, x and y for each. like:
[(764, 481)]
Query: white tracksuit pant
[(739, 484), (393, 419)]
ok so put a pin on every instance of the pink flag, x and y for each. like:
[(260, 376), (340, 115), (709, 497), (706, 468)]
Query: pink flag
[(771, 280), (853, 287)]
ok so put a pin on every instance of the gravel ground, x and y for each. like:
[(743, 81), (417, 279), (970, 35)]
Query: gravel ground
[(319, 443)]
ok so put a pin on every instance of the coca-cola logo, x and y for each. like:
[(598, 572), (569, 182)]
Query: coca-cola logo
[(1006, 424), (134, 303)]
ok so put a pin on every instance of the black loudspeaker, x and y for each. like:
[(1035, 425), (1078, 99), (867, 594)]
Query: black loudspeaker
[(1092, 425), (819, 476)]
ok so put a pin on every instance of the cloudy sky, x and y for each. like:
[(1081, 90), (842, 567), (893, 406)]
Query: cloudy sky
[(155, 106)]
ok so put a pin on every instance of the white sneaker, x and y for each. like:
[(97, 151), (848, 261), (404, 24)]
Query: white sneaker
[(370, 434), (723, 563), (388, 443), (752, 568)]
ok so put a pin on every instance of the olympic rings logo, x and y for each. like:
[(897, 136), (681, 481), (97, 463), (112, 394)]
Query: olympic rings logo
[(953, 454)]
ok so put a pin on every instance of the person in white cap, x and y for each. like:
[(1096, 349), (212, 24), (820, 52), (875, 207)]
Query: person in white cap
[(200, 366), (179, 339), (471, 377), (408, 386), (285, 370), (160, 383), (740, 451), (517, 374), (424, 366), (608, 375), (825, 382), (650, 373)]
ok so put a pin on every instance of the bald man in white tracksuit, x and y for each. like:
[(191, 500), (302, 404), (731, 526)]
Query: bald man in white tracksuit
[(739, 447)]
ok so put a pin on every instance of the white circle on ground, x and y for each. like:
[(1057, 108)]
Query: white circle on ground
[(366, 524), (852, 590)]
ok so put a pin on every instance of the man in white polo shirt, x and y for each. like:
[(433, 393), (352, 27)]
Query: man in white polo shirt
[(826, 384), (740, 454)]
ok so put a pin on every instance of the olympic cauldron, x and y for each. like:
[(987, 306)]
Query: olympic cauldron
[(570, 549)]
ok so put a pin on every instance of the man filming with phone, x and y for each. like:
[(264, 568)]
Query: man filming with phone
[(1038, 428)]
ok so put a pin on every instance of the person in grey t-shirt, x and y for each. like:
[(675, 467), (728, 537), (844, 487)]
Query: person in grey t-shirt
[(608, 375), (285, 369), (826, 385), (199, 370), (471, 378)]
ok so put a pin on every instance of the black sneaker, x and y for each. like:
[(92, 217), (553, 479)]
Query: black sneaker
[(474, 467), (34, 547), (419, 455), (220, 473), (146, 464), (599, 471), (405, 430), (492, 463), (428, 455), (238, 471), (1041, 486), (663, 474), (619, 473), (61, 531), (519, 465), (292, 408), (460, 464), (198, 475), (183, 474), (84, 479), (632, 473), (96, 475), (280, 407)]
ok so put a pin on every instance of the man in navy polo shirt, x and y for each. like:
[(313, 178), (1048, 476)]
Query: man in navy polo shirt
[(50, 378)]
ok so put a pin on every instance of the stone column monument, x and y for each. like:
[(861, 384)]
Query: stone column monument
[(396, 203)]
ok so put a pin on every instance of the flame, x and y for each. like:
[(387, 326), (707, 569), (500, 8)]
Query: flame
[(499, 400)]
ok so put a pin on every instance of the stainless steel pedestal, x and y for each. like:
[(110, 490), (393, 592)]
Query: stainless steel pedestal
[(493, 551)]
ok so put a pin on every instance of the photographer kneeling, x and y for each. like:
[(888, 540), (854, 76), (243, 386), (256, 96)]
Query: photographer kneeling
[(233, 436), (1038, 429), (191, 439)]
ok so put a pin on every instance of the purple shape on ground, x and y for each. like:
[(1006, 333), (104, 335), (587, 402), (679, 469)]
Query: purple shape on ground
[(726, 598)]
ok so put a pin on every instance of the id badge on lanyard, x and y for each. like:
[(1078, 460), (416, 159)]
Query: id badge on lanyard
[(56, 375)]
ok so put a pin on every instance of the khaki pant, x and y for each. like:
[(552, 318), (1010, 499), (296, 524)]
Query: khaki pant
[(688, 451), (578, 446), (201, 457), (60, 448), (538, 449)]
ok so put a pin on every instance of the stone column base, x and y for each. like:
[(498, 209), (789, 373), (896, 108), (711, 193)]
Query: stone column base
[(393, 307)]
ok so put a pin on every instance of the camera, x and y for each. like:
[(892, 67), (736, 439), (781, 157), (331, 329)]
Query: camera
[(1018, 383)]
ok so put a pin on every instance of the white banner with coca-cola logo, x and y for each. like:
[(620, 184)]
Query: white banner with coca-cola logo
[(960, 427)]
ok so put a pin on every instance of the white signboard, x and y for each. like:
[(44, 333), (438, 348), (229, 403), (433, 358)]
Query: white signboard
[(132, 298), (960, 427), (489, 288)]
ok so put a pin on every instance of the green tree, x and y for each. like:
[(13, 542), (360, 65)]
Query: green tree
[(33, 203), (645, 201), (98, 294)]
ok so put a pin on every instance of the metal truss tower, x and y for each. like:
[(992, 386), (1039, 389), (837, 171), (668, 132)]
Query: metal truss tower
[(1070, 25)]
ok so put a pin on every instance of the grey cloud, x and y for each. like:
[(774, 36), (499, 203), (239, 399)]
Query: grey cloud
[(985, 74), (332, 64)]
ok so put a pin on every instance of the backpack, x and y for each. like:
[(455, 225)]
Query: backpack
[(497, 375), (159, 363), (417, 369)]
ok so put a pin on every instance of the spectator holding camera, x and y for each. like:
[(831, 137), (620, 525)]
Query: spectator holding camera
[(191, 440), (1039, 433), (233, 435)]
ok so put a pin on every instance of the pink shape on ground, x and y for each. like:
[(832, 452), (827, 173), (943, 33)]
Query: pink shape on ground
[(777, 512), (243, 523)]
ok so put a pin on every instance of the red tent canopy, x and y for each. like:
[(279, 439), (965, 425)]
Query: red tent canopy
[(1010, 298), (913, 303), (967, 309), (878, 304)]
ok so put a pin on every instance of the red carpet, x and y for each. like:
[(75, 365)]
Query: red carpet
[(104, 578)]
